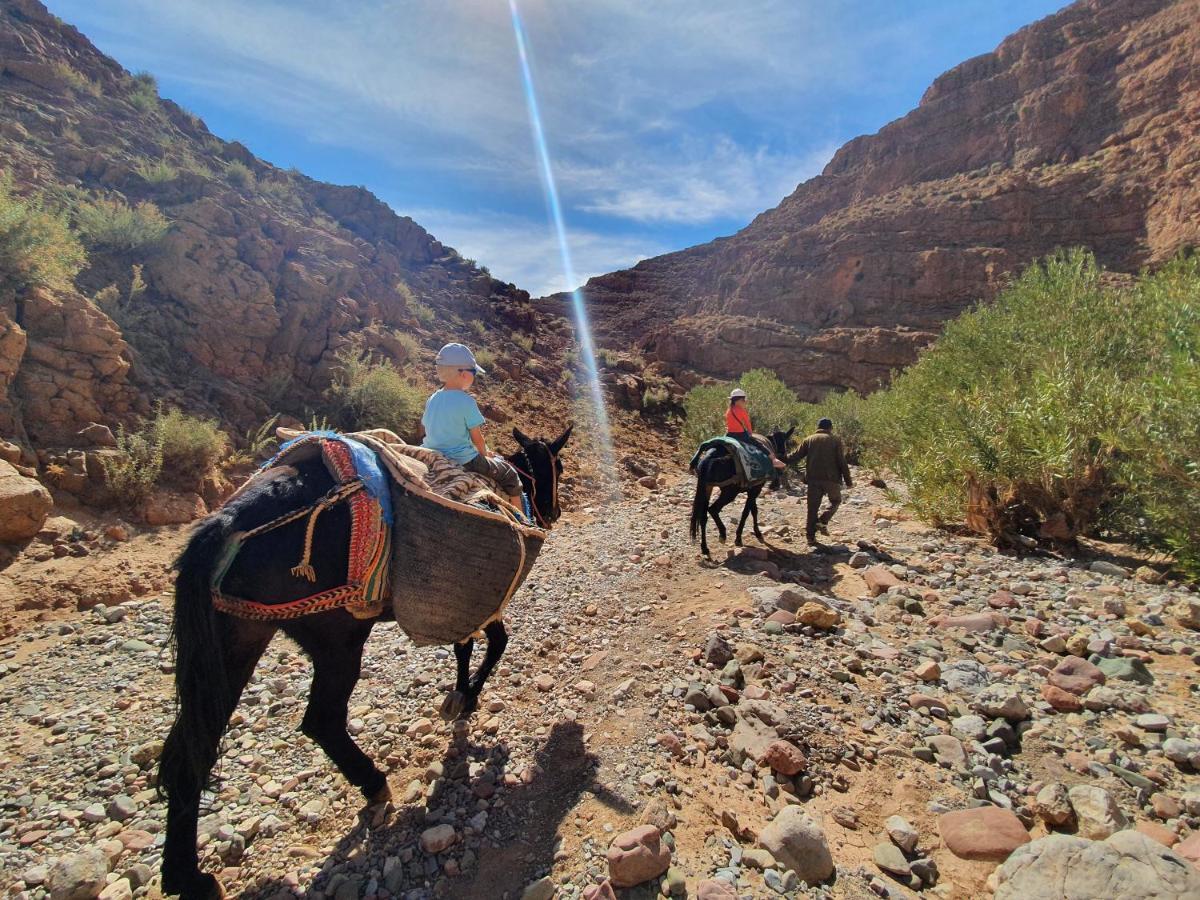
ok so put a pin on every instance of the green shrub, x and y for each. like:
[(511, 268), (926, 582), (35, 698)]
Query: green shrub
[(772, 405), (524, 341), (191, 447), (1067, 397), (131, 476), (76, 79), (478, 326), (157, 172), (412, 347), (851, 414), (423, 313), (369, 393), (240, 174), (36, 246), (143, 92), (114, 225), (485, 358)]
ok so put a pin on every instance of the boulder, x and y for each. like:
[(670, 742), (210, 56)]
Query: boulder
[(818, 616), (1076, 675), (24, 505), (1001, 701), (798, 842), (1128, 865), (78, 876), (986, 832), (879, 579), (1054, 806), (165, 507), (785, 758), (637, 855)]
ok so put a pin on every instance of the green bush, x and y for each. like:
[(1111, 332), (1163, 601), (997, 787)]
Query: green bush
[(851, 414), (114, 225), (143, 92), (369, 393), (76, 79), (131, 477), (191, 447), (1067, 398), (485, 358), (423, 313), (240, 174), (771, 403), (36, 246), (157, 172)]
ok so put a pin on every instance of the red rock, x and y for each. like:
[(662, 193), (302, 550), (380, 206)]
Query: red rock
[(924, 701), (1160, 833), (170, 508), (879, 579), (1189, 849), (1002, 600), (1075, 674), (136, 839), (24, 502), (671, 744), (1063, 701), (636, 856), (989, 832), (1035, 627), (756, 692), (602, 891), (1077, 762), (785, 757), (782, 616)]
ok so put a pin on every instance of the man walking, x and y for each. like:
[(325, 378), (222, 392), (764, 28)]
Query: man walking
[(826, 472)]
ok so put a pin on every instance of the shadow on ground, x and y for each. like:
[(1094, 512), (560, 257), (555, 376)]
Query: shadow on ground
[(527, 824)]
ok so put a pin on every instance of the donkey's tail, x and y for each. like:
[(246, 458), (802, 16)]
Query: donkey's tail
[(699, 504), (201, 678)]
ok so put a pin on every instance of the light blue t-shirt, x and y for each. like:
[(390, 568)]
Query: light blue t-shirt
[(448, 420)]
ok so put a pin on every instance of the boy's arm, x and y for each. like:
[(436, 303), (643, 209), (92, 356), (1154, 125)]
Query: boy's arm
[(478, 441)]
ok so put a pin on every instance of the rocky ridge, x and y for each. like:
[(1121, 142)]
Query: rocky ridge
[(1082, 129)]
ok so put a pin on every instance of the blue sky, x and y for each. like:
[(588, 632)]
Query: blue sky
[(669, 122)]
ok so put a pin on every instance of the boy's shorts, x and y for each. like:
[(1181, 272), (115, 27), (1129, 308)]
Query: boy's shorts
[(499, 471)]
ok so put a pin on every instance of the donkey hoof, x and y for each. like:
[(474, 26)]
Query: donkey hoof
[(205, 887), (383, 795), (453, 705)]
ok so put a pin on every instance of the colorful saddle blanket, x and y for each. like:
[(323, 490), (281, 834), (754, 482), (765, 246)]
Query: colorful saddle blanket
[(753, 463)]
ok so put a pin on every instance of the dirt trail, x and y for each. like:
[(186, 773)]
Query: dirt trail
[(584, 730)]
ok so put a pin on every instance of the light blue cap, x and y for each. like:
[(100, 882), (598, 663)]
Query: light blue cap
[(458, 356)]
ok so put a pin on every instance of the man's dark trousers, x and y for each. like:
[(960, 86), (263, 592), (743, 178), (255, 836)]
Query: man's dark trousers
[(816, 491)]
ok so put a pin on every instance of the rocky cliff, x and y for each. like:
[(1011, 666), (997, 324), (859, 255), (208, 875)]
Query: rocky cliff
[(1081, 129), (240, 307)]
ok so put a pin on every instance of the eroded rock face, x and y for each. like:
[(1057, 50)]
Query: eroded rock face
[(1077, 130), (24, 505)]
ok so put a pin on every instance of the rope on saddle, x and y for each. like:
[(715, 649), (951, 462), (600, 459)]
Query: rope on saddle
[(304, 569)]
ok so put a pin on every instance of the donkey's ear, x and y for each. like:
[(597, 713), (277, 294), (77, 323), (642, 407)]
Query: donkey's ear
[(523, 439), (790, 431), (557, 446)]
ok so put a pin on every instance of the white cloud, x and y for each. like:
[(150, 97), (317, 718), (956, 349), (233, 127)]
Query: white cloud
[(526, 253)]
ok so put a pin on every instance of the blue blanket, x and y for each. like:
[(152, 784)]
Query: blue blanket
[(753, 462), (366, 464)]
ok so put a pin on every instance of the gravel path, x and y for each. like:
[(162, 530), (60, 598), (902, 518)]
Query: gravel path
[(641, 686)]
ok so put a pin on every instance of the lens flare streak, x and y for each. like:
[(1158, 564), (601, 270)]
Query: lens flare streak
[(583, 330)]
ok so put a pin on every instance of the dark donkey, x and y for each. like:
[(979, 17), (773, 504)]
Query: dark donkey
[(717, 468), (216, 653)]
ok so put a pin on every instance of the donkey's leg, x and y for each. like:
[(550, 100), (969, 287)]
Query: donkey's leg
[(456, 700), (244, 644), (497, 640), (334, 641), (746, 507), (726, 494), (752, 500)]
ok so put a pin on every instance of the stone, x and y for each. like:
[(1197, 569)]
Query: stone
[(972, 623), (859, 560), (602, 891), (968, 728), (715, 889), (929, 670), (1153, 722), (889, 858), (438, 838), (1125, 668), (636, 856), (1096, 812), (1063, 701), (879, 579), (750, 739), (1186, 611), (1157, 832), (1003, 600), (965, 676), (78, 876), (1076, 675), (118, 890), (1127, 865), (986, 832), (24, 505), (1181, 751), (902, 833), (818, 616), (1001, 701), (1053, 805), (1103, 567), (165, 507), (1189, 849), (717, 651), (798, 843), (785, 758), (948, 751), (542, 889), (757, 858)]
